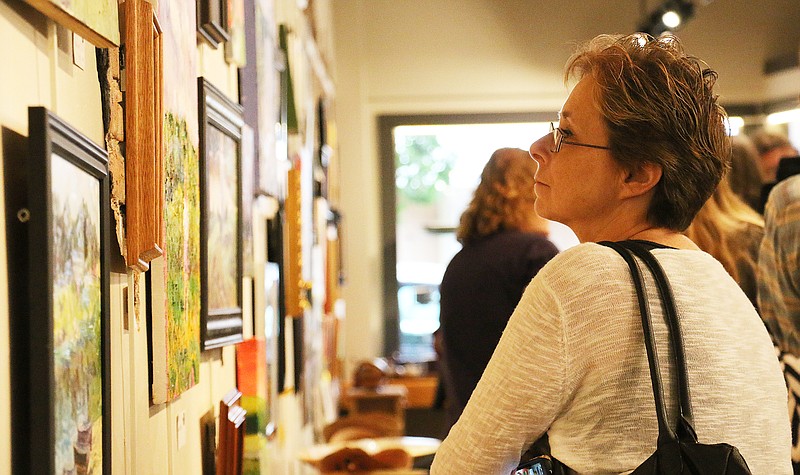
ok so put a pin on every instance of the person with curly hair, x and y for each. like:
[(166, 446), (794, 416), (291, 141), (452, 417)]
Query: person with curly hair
[(504, 245)]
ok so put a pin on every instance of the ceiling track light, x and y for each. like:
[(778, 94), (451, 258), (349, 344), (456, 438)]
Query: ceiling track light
[(668, 17)]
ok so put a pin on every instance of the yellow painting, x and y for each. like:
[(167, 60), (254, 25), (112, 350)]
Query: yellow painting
[(95, 20)]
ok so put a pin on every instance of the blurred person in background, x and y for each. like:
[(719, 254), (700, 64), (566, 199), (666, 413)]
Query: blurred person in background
[(731, 231), (744, 176), (504, 245), (772, 148)]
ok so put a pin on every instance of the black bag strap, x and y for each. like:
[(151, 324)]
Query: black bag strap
[(685, 431)]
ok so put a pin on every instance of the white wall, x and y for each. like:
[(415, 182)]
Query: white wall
[(462, 56)]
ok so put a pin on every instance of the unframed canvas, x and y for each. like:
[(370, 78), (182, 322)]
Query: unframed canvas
[(175, 329)]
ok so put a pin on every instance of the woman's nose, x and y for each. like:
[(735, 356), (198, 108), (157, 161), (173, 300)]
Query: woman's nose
[(541, 148)]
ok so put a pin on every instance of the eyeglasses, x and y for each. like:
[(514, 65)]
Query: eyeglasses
[(558, 140)]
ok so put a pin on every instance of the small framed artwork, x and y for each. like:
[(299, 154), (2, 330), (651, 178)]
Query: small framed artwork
[(221, 123), (212, 21), (67, 217)]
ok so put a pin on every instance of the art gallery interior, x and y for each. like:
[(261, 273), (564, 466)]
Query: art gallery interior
[(200, 222)]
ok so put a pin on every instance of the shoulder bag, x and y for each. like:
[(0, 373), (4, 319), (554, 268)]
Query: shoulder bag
[(677, 450)]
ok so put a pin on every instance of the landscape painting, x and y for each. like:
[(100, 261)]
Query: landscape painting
[(59, 305), (223, 211), (77, 313)]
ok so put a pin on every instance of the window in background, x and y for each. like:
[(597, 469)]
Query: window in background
[(437, 168)]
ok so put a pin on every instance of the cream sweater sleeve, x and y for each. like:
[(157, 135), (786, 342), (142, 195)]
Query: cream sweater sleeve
[(522, 390)]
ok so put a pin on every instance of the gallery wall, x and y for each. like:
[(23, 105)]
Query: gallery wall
[(166, 437)]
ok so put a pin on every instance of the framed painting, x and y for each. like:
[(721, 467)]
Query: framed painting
[(94, 20), (212, 21), (68, 300), (221, 123)]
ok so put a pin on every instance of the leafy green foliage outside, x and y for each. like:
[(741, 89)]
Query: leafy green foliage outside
[(422, 170)]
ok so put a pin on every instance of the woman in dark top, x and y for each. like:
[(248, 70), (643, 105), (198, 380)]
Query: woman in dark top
[(504, 245)]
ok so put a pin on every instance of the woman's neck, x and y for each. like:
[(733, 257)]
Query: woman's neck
[(664, 236)]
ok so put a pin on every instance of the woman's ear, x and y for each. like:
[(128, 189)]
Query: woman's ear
[(641, 179)]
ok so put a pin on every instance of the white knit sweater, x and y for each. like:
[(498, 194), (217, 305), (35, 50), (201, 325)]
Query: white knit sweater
[(572, 363)]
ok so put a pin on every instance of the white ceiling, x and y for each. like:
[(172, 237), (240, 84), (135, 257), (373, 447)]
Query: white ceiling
[(509, 54)]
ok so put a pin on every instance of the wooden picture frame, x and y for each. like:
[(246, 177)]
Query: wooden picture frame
[(221, 124), (68, 359), (212, 21), (94, 20), (295, 287), (232, 423), (144, 138)]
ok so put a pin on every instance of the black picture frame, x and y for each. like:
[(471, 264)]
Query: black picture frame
[(221, 124), (212, 21), (65, 319), (275, 255)]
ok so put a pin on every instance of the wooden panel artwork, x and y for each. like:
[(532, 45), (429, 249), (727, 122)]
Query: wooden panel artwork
[(144, 134)]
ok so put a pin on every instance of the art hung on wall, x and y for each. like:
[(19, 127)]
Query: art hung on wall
[(144, 167), (212, 21), (95, 20), (235, 47), (67, 362), (260, 92), (175, 326), (275, 254), (221, 123)]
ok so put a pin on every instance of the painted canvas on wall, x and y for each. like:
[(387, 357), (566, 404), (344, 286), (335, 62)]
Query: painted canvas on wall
[(223, 209), (176, 331), (270, 176), (67, 310), (94, 20)]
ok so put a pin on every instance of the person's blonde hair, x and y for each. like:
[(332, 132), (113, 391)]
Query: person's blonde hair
[(717, 224), (659, 106), (744, 176), (504, 198)]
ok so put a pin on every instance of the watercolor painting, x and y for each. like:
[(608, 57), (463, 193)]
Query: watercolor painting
[(77, 313)]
